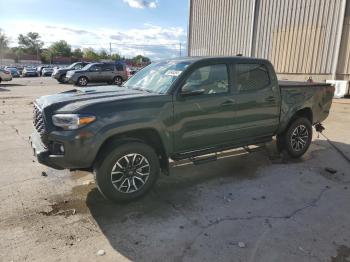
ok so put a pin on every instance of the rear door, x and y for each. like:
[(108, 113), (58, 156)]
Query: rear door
[(203, 120), (108, 72), (257, 101)]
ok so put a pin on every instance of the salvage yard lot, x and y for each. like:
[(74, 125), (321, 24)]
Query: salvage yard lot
[(249, 207)]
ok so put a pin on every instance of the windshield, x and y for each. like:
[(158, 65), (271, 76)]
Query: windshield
[(157, 77), (71, 66), (87, 67)]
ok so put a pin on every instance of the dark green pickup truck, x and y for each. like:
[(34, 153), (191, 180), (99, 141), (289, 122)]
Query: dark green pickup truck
[(178, 109)]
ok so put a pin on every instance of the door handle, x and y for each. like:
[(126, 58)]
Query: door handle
[(228, 102), (270, 99)]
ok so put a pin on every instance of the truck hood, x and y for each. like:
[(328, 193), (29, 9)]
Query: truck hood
[(76, 98)]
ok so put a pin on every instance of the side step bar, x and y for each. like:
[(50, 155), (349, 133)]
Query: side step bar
[(198, 160), (203, 160)]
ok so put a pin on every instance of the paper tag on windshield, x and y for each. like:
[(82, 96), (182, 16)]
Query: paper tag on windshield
[(173, 73)]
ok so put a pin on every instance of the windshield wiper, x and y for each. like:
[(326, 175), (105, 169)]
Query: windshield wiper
[(142, 89)]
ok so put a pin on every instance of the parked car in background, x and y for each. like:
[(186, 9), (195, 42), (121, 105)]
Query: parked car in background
[(60, 73), (5, 75), (13, 70), (29, 71), (188, 108), (111, 73), (40, 69), (47, 71), (20, 69)]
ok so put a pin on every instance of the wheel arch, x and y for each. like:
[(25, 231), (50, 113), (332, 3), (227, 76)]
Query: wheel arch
[(148, 136), (305, 112)]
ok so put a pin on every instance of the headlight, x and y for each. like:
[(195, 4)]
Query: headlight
[(72, 121)]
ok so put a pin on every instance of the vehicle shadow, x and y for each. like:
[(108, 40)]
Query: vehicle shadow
[(150, 228), (11, 85)]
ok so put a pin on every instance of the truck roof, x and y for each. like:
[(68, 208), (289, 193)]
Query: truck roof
[(217, 58)]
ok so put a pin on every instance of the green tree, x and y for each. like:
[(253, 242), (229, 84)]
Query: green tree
[(60, 48), (90, 54), (18, 52), (4, 40), (30, 43), (46, 56), (141, 59), (115, 57), (103, 54), (77, 53)]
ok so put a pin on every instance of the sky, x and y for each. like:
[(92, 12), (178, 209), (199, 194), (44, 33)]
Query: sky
[(154, 28)]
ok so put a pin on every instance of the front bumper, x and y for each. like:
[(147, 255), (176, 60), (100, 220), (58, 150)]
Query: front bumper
[(80, 149), (9, 78), (42, 153)]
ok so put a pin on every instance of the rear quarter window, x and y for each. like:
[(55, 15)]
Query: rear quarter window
[(119, 67), (250, 77)]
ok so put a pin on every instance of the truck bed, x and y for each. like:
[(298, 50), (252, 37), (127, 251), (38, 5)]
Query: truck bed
[(316, 97), (286, 84)]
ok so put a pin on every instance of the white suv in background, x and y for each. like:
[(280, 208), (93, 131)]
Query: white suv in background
[(5, 75)]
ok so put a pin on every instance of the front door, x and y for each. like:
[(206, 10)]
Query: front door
[(95, 73), (203, 109)]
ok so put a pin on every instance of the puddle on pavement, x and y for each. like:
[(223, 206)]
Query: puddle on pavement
[(343, 254), (70, 204)]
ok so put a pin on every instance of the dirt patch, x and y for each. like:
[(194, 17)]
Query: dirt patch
[(343, 254), (66, 208), (68, 205)]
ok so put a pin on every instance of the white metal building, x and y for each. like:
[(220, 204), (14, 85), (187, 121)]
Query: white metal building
[(301, 38)]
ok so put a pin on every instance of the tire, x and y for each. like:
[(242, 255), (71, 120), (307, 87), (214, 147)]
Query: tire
[(82, 81), (61, 79), (296, 139), (128, 184), (117, 81), (0, 80)]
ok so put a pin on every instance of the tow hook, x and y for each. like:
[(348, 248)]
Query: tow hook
[(319, 128)]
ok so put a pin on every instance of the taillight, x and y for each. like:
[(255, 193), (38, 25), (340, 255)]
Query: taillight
[(7, 72), (127, 71)]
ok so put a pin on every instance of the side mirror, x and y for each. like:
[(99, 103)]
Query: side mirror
[(192, 92)]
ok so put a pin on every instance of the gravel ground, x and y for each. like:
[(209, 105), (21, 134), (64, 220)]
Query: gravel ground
[(243, 207)]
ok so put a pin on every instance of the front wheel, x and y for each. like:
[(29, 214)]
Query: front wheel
[(297, 138), (61, 79), (127, 171), (82, 81)]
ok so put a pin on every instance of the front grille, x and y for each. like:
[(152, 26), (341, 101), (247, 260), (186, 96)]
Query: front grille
[(38, 120)]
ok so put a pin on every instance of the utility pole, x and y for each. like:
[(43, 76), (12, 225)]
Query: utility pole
[(37, 53), (110, 49), (180, 48)]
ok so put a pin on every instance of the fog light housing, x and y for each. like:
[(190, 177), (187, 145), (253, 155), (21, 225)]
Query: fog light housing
[(56, 148)]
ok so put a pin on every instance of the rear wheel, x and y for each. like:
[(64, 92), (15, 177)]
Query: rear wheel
[(297, 138), (127, 171), (118, 80), (82, 81)]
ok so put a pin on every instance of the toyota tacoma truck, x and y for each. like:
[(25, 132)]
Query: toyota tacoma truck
[(175, 109)]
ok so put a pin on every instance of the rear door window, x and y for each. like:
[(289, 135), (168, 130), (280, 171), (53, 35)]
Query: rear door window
[(250, 77), (108, 67)]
